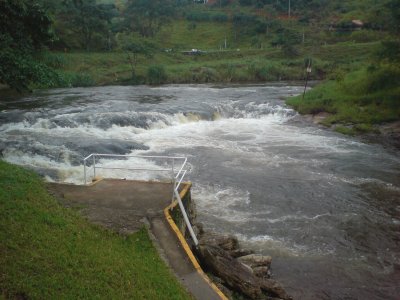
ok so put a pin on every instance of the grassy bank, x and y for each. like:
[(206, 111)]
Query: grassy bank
[(242, 60), (356, 101), (47, 251), (245, 65)]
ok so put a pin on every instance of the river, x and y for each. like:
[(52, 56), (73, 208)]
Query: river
[(325, 206)]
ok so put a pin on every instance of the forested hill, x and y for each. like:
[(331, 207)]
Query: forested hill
[(46, 43), (97, 25)]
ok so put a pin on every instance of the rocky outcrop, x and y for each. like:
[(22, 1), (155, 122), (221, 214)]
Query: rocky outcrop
[(256, 260), (238, 269)]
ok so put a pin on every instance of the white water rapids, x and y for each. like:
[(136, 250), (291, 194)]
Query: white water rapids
[(325, 206)]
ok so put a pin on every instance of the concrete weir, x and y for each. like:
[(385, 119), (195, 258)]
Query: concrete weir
[(125, 206)]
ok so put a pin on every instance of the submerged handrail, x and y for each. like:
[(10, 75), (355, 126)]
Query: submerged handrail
[(176, 179)]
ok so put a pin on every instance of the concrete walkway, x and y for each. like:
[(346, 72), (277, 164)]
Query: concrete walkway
[(125, 206)]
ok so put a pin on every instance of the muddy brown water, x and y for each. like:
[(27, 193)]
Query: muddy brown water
[(325, 206)]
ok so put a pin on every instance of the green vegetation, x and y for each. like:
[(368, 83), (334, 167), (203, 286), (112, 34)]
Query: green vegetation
[(246, 40), (24, 28), (47, 251), (358, 100), (248, 65), (367, 96), (354, 44)]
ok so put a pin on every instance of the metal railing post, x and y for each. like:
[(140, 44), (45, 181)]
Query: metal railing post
[(84, 171), (94, 166), (173, 179), (185, 217)]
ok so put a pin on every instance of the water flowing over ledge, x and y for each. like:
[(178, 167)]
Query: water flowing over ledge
[(322, 204)]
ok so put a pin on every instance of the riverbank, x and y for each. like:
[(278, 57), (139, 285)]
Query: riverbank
[(363, 102), (246, 65), (49, 251)]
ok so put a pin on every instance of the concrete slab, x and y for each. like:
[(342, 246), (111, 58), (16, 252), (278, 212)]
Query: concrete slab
[(125, 206), (116, 204)]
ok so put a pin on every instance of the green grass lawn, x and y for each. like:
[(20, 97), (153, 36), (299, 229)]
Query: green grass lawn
[(49, 252)]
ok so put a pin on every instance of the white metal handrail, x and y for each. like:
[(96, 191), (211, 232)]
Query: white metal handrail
[(176, 179)]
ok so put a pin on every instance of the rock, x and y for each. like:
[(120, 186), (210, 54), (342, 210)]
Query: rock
[(238, 269), (320, 117), (248, 268), (262, 272), (232, 272), (199, 229), (256, 260), (274, 288), (240, 252), (226, 242), (237, 276)]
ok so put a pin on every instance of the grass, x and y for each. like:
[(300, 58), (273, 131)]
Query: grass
[(239, 62), (245, 65), (47, 251), (358, 100)]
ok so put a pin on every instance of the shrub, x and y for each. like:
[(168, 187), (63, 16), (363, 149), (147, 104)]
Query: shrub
[(345, 130), (220, 18), (198, 16), (71, 79), (204, 74), (156, 74), (54, 60)]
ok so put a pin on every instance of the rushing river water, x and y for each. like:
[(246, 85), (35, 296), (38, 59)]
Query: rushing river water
[(325, 206)]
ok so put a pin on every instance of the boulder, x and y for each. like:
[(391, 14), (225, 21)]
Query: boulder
[(226, 242), (233, 273), (262, 272), (256, 260), (273, 287), (237, 276), (240, 252), (199, 229)]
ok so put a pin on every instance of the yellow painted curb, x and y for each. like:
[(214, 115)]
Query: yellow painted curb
[(96, 181), (185, 244)]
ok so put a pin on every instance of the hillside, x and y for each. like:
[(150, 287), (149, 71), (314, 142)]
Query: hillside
[(155, 42)]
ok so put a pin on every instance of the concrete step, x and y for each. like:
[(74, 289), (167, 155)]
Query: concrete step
[(179, 261)]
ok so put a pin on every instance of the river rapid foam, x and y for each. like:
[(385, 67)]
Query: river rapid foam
[(325, 206)]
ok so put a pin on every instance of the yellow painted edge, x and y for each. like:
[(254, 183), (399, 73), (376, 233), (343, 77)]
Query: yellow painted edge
[(95, 182), (185, 244)]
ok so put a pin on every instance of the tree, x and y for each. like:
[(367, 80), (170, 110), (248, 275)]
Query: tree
[(134, 50), (287, 39), (243, 24), (147, 16), (86, 19), (24, 28), (394, 7)]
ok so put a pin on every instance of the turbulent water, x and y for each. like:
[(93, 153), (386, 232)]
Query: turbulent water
[(325, 206)]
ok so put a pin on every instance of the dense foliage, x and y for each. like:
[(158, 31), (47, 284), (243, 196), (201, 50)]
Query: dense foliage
[(24, 28), (86, 23), (147, 30)]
